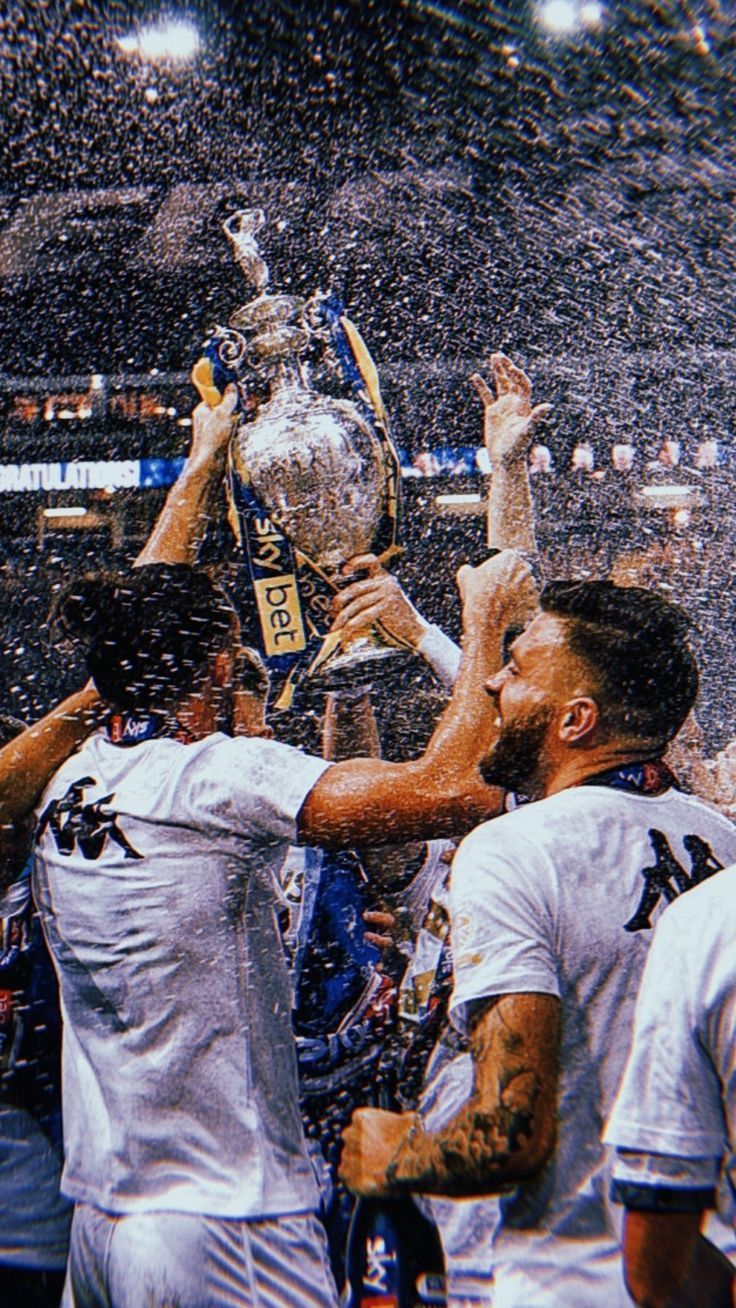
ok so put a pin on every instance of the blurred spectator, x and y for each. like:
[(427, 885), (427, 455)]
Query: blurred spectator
[(623, 456), (540, 461), (483, 461), (669, 454), (707, 455), (583, 459), (426, 464)]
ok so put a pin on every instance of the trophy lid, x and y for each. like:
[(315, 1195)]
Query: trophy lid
[(268, 319), (266, 310)]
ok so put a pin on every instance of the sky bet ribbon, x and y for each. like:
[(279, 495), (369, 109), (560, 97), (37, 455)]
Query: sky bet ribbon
[(348, 355)]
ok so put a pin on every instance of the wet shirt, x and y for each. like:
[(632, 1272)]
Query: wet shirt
[(154, 878), (559, 897), (675, 1114)]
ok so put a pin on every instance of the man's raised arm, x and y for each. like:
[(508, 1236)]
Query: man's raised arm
[(370, 801), (377, 597), (182, 522), (28, 762), (508, 425)]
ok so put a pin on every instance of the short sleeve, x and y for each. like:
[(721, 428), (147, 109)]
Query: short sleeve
[(669, 1101), (502, 920), (252, 787), (442, 655), (664, 1182)]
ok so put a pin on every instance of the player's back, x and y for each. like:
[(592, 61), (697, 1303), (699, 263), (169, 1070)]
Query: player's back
[(154, 881)]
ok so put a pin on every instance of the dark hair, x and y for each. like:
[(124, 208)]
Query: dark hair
[(635, 644), (10, 727), (147, 635)]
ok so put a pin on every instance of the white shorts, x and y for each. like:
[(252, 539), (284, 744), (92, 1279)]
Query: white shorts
[(180, 1260)]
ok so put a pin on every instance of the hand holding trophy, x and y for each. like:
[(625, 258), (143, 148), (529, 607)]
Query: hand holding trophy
[(313, 480)]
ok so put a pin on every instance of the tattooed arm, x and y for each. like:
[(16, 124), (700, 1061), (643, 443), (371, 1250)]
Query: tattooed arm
[(503, 1135)]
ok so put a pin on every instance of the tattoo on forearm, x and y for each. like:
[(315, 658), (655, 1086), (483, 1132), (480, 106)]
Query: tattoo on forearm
[(501, 1135), (478, 1147)]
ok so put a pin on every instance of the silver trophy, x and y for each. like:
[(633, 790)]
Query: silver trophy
[(313, 479)]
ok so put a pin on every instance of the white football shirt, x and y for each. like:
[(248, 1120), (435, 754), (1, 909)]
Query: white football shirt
[(559, 897), (677, 1102), (154, 878)]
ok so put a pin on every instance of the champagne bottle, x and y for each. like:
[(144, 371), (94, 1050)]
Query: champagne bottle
[(394, 1253), (394, 1256)]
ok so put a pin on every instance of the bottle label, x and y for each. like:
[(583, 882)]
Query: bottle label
[(380, 1269), (6, 1008), (9, 1031)]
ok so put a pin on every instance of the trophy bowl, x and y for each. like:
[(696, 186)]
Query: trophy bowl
[(316, 466)]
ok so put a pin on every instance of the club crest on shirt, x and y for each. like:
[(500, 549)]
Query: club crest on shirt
[(666, 878), (86, 827)]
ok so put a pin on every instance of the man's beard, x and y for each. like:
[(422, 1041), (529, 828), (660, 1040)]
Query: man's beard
[(513, 762)]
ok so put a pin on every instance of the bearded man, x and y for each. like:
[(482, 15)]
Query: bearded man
[(552, 906)]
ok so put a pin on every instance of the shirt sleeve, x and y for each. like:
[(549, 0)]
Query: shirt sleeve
[(670, 1101), (252, 787), (442, 655), (664, 1183), (502, 920)]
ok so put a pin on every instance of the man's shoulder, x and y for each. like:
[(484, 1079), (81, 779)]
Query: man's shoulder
[(500, 846), (538, 820), (541, 830), (596, 803), (233, 757), (165, 765)]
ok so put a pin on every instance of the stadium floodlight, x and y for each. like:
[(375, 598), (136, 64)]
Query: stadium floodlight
[(591, 14), (175, 40), (564, 17), (559, 16)]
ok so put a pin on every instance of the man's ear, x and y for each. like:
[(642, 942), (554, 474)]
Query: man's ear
[(249, 715), (578, 721), (222, 668)]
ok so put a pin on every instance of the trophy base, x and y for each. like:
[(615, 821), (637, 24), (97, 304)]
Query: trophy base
[(365, 661)]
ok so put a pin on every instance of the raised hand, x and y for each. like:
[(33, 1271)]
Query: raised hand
[(499, 593), (376, 598), (212, 428), (509, 419)]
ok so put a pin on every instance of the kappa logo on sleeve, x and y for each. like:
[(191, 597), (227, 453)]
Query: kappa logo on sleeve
[(87, 827), (666, 878)]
